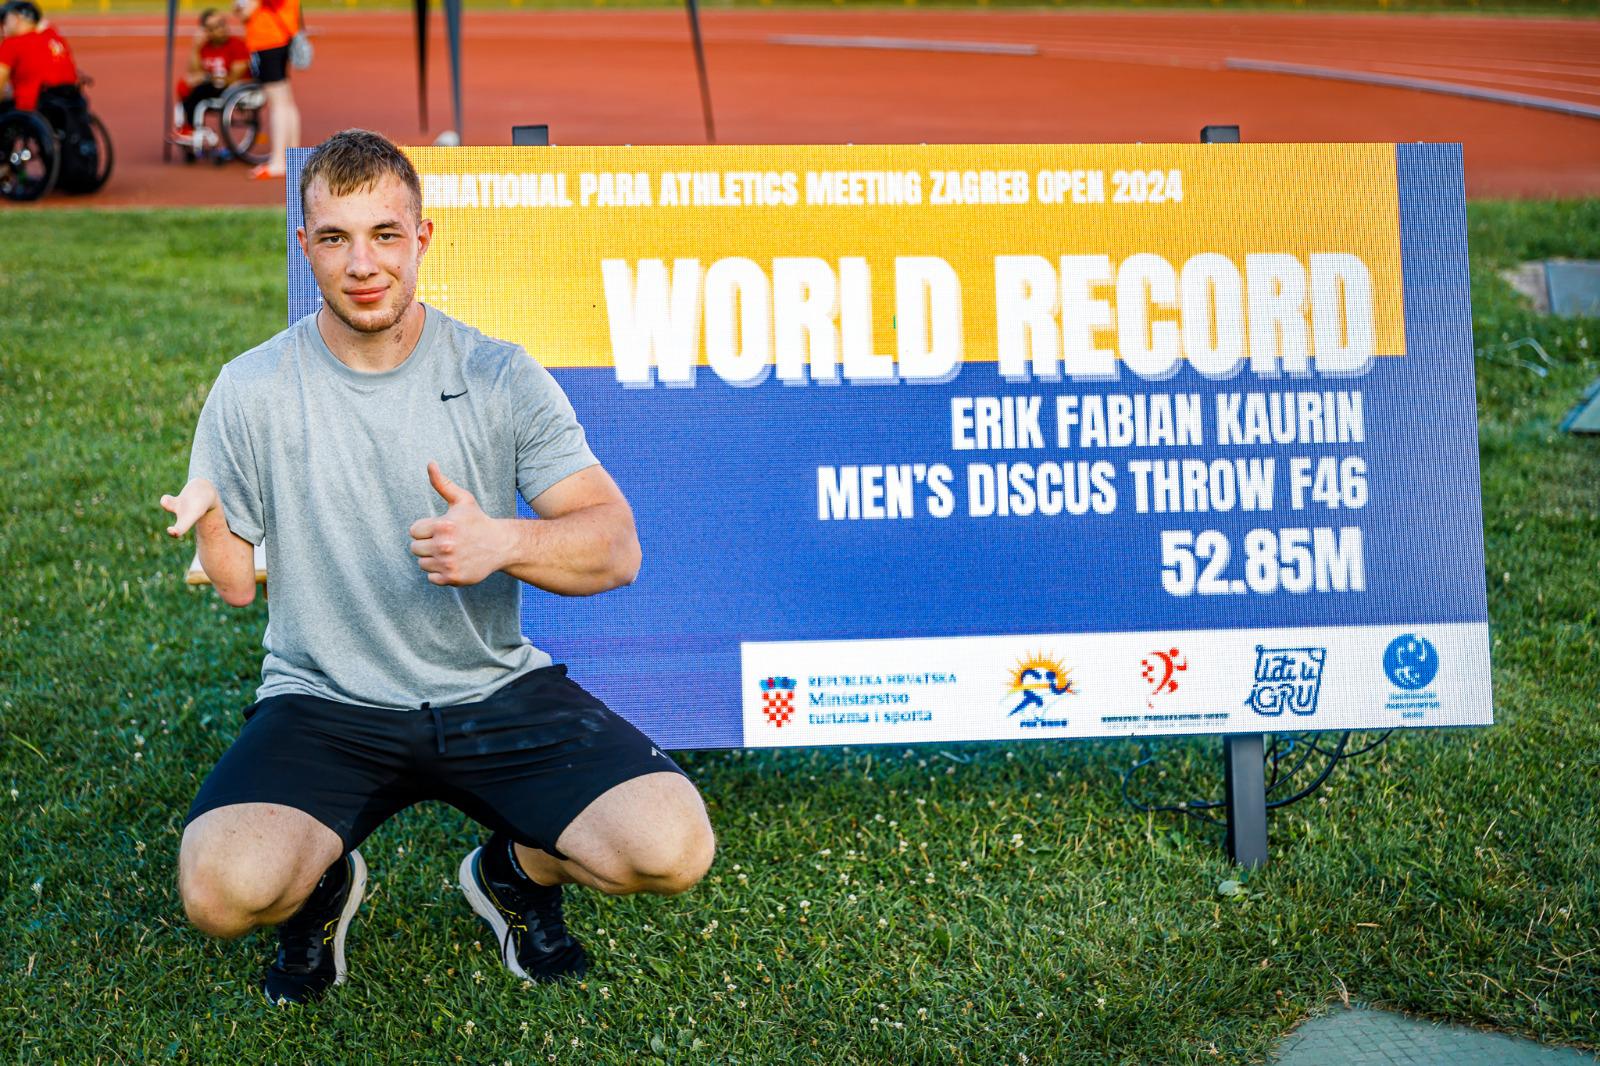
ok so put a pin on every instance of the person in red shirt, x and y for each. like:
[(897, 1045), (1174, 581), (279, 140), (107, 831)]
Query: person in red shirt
[(32, 59), (219, 59)]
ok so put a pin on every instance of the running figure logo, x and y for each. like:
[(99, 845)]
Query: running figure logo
[(1037, 682), (777, 699), (1160, 670)]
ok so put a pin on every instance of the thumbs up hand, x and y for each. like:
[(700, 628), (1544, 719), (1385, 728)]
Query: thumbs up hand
[(462, 547)]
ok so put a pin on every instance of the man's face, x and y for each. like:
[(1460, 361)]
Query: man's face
[(216, 28), (364, 249), (13, 24)]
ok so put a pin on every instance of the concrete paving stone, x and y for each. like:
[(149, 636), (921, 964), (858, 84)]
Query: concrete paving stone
[(1364, 1037)]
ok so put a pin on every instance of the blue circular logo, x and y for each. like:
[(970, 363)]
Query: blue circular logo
[(1410, 661)]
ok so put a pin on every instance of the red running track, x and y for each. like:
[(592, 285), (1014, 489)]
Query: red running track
[(628, 77)]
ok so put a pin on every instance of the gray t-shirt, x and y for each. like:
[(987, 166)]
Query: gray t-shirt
[(329, 465)]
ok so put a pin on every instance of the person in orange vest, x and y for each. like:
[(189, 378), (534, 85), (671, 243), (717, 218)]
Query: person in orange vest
[(219, 60), (34, 58), (269, 26)]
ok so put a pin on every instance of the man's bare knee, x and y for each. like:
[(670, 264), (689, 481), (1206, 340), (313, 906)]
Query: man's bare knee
[(666, 864), (687, 864), (232, 882), (223, 900), (649, 834)]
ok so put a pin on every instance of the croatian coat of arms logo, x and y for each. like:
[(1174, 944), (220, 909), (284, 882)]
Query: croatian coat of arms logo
[(777, 699)]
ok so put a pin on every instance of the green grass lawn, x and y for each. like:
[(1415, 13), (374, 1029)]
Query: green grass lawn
[(967, 904)]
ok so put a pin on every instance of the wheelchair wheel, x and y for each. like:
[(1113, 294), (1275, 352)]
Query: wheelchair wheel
[(29, 158), (105, 156), (85, 157), (243, 123)]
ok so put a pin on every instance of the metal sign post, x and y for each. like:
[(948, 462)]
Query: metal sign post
[(1243, 755)]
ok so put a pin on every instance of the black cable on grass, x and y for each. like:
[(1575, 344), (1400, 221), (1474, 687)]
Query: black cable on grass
[(1363, 750), (1280, 751), (1193, 808), (1308, 749), (1333, 760)]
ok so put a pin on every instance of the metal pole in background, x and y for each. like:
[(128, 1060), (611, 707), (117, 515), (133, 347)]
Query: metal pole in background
[(166, 85), (420, 7), (700, 65), (1243, 755), (452, 25)]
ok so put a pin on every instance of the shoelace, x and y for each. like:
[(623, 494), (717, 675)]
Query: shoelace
[(538, 910), (296, 951), (301, 937)]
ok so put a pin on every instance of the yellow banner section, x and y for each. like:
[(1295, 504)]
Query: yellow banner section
[(1047, 258)]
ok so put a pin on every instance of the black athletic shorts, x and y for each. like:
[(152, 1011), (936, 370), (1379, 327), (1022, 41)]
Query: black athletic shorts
[(526, 761), (270, 64)]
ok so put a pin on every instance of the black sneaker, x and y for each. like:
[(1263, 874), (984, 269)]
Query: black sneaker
[(524, 915), (311, 942)]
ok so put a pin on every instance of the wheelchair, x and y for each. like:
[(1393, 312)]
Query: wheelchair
[(230, 126), (60, 144)]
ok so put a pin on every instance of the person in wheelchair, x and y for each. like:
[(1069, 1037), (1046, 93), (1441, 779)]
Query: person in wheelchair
[(48, 137), (33, 58), (219, 60)]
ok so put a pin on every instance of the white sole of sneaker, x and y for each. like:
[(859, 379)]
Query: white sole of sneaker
[(484, 907), (358, 887)]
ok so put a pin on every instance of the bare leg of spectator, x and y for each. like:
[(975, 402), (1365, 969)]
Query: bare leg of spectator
[(285, 120)]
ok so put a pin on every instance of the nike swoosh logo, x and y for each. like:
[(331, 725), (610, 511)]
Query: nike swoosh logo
[(451, 395)]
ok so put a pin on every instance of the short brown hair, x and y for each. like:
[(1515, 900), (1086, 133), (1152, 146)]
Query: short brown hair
[(352, 160)]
